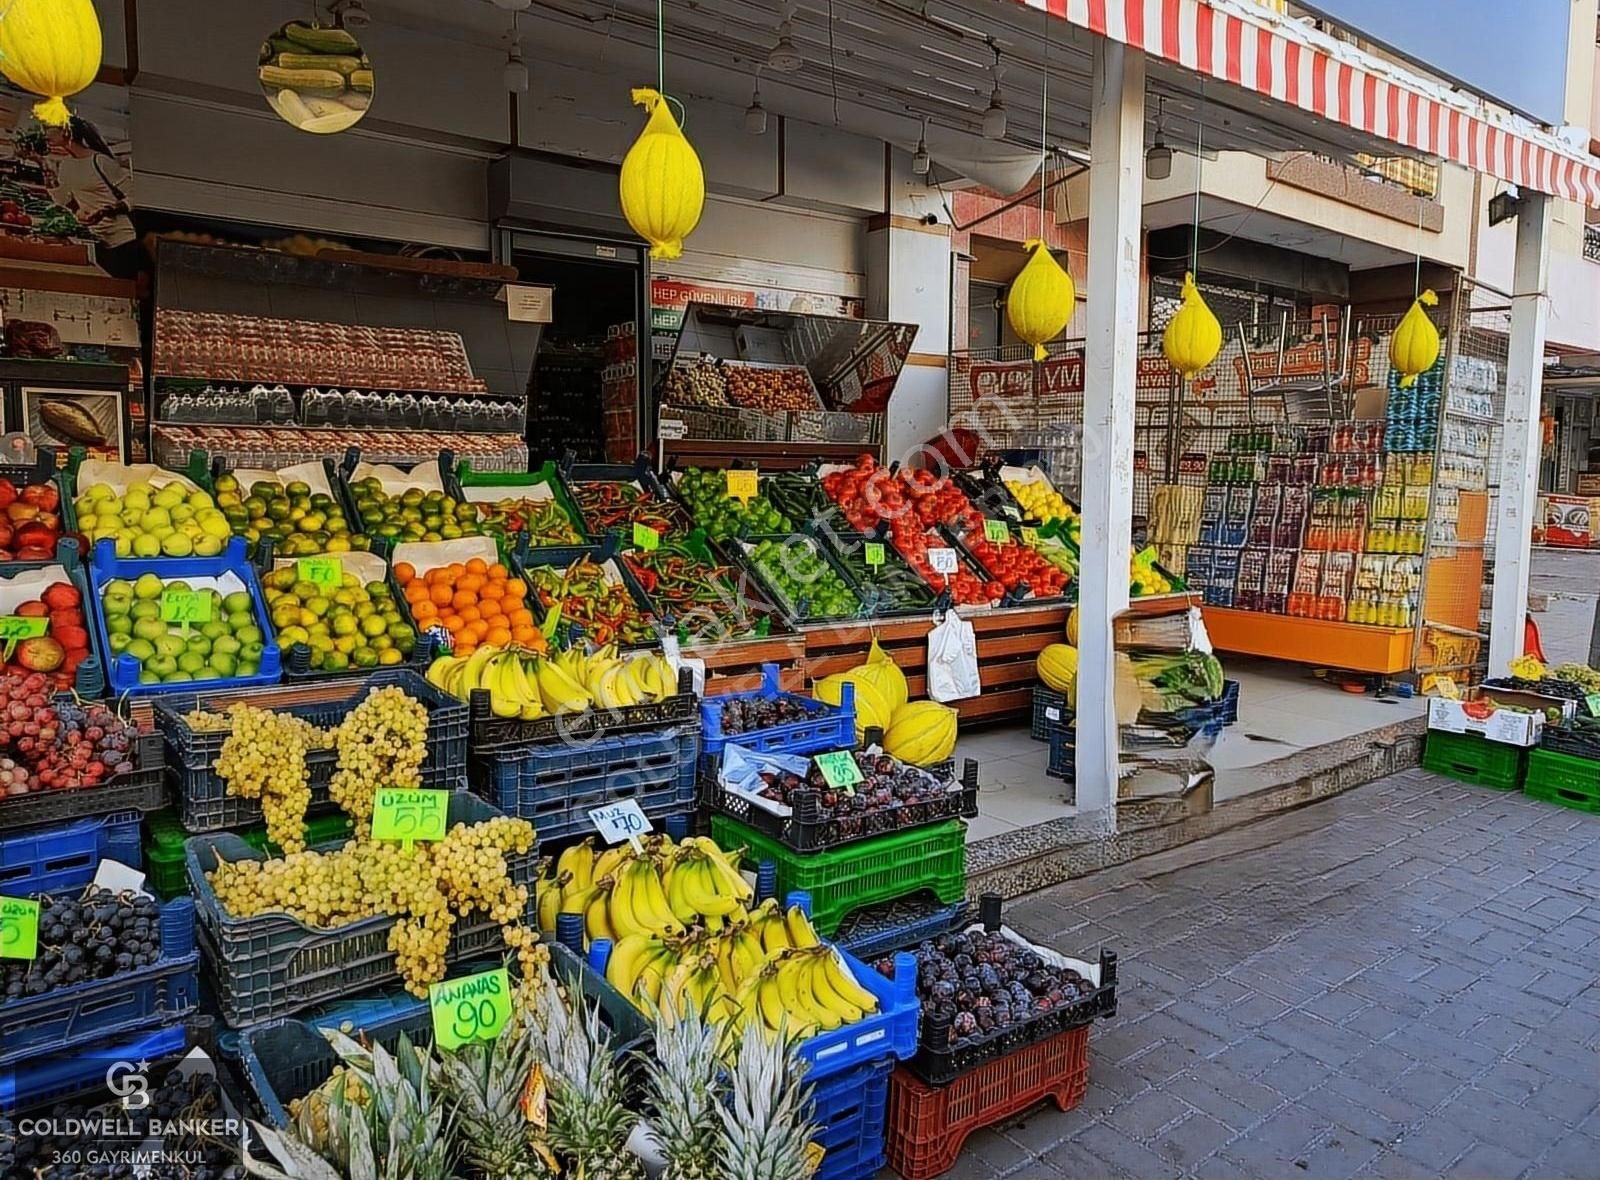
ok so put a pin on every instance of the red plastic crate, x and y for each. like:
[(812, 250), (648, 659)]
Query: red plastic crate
[(929, 1124)]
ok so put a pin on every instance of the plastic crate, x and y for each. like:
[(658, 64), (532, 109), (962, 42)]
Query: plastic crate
[(1473, 758), (1063, 760), (55, 1076), (891, 1030), (515, 484), (1578, 742), (202, 800), (843, 880), (52, 860), (929, 1124), (89, 681), (1228, 706), (569, 632), (556, 786), (1564, 779), (852, 1112), (122, 673), (798, 611), (142, 789), (164, 837), (1050, 712), (892, 590), (66, 1017), (488, 731), (828, 727), (871, 933), (806, 829), (288, 1059), (273, 964)]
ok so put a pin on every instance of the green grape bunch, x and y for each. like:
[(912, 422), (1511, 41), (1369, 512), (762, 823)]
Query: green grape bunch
[(383, 741)]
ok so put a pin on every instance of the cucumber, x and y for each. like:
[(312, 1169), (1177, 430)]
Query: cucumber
[(299, 59), (320, 40)]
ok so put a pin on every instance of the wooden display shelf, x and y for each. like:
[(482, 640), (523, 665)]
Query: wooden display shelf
[(735, 666), (1323, 642)]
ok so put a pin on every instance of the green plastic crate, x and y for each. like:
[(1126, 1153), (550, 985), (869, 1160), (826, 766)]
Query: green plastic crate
[(1473, 758), (842, 880), (164, 837), (1564, 779)]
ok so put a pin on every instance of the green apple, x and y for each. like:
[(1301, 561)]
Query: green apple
[(119, 642), (246, 668), (198, 642), (223, 664), (145, 609), (147, 545), (215, 629), (250, 653), (207, 546), (148, 586), (118, 624), (170, 645), (178, 677), (225, 645), (191, 662), (177, 545), (238, 601), (140, 648), (162, 665), (148, 677), (151, 629)]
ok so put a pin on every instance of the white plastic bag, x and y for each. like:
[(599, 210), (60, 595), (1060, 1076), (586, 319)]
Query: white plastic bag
[(953, 660)]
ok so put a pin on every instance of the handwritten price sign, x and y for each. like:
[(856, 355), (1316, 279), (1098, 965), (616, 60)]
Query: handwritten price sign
[(620, 821), (874, 553), (646, 538), (473, 1008), (185, 606), (997, 532), (408, 816), (943, 561), (326, 572), (839, 770), (19, 928), (742, 484), (15, 627)]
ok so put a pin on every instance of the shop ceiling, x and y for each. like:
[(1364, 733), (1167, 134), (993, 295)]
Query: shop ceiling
[(878, 67)]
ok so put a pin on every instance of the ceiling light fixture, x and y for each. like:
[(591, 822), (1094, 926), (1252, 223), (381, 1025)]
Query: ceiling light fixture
[(921, 162), (1158, 160), (994, 118), (785, 58), (755, 115), (516, 70), (350, 14)]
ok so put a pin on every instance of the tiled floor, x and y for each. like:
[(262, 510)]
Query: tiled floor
[(1395, 983), (1283, 708)]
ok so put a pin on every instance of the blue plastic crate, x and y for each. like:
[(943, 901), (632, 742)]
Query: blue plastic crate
[(66, 1017), (122, 673), (1228, 706), (60, 1075), (830, 727), (53, 859), (555, 786), (878, 930), (852, 1111)]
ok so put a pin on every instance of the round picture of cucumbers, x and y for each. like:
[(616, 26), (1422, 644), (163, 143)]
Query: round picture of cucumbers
[(317, 79)]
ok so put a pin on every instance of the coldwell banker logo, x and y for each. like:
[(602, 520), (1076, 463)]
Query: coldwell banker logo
[(127, 1082)]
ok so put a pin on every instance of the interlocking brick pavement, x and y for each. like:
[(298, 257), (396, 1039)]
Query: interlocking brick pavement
[(1403, 981)]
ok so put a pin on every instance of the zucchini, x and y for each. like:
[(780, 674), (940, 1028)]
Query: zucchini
[(361, 80), (301, 60), (320, 40), (304, 81)]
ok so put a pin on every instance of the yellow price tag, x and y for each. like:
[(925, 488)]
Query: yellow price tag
[(742, 484)]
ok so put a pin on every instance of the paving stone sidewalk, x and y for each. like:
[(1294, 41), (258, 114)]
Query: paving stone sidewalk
[(1401, 982)]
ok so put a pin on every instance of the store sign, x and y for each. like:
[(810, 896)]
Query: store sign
[(1515, 53), (1060, 376), (1307, 360), (529, 305)]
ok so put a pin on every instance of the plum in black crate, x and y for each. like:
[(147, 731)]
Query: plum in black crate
[(945, 1052), (811, 826)]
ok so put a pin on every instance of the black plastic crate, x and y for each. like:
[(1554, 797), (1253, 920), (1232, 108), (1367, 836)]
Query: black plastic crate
[(1579, 742), (203, 802), (1050, 712), (1063, 762), (938, 1062), (805, 829), (489, 732), (144, 788)]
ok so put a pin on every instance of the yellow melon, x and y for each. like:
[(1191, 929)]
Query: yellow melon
[(890, 677), (921, 733), (1058, 667), (1072, 626), (871, 709)]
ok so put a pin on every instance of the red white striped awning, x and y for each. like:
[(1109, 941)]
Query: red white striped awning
[(1285, 61)]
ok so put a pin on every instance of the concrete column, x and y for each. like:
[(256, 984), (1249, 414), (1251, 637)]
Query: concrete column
[(1116, 198), (1519, 465)]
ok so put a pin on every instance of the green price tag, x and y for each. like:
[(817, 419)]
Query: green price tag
[(185, 606), (1145, 556), (996, 531), (874, 553), (409, 815), (645, 537), (14, 627), (1592, 700), (741, 484), (839, 770), (321, 571), (473, 1008), (1030, 537), (19, 928)]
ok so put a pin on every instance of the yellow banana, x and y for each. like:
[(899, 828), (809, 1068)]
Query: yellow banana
[(628, 957), (798, 927), (677, 880), (596, 923), (769, 1004), (608, 860), (700, 888), (575, 901), (439, 670), (559, 691), (579, 861), (652, 976), (472, 672), (774, 935), (624, 911), (726, 866), (652, 899), (547, 902), (794, 986), (726, 971), (824, 994), (844, 983)]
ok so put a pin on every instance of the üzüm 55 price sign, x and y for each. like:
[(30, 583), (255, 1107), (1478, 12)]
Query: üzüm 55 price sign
[(408, 816)]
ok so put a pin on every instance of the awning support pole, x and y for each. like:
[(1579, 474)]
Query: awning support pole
[(1521, 431), (1116, 200)]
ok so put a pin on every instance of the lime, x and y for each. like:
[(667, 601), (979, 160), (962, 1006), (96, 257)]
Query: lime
[(335, 661), (364, 657), (389, 657), (372, 626)]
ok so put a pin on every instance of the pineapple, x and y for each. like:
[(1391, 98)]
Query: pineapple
[(589, 1118), (486, 1083), (767, 1124), (683, 1090), (399, 1133)]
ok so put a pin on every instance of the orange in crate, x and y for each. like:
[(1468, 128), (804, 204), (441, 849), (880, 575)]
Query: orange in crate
[(477, 602), (929, 1124)]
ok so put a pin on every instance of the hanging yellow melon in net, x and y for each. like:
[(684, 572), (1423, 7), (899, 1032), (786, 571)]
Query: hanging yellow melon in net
[(1041, 300), (1414, 348), (663, 187), (51, 47), (1193, 337)]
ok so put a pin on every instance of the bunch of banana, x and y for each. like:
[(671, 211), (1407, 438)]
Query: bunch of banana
[(616, 681), (520, 683)]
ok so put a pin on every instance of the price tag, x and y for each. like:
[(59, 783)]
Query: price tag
[(873, 554), (815, 1153), (19, 928), (742, 484), (15, 627), (408, 816), (672, 428), (552, 620), (1145, 556), (1593, 701), (473, 1008), (839, 770), (943, 561), (620, 821), (185, 606), (321, 571), (1030, 537), (997, 532), (645, 537)]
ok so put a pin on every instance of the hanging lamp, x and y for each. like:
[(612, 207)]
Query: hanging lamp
[(52, 48)]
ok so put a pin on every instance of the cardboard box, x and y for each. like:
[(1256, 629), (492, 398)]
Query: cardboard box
[(1528, 700), (1504, 726)]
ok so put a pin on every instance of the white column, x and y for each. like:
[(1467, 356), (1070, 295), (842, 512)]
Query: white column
[(1519, 465), (1116, 198)]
